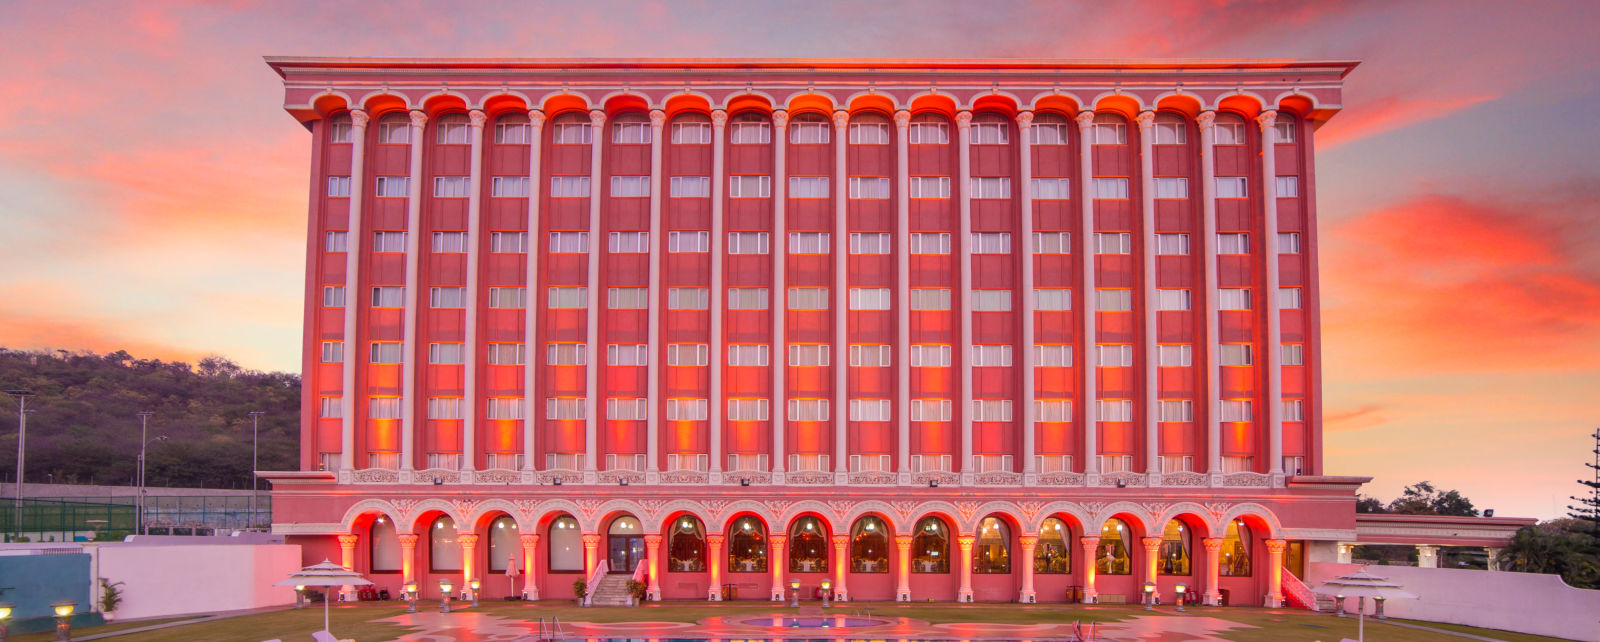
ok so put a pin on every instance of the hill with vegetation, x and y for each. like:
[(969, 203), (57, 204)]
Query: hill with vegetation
[(85, 428)]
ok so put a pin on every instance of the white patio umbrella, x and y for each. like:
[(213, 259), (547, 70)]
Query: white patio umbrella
[(1362, 584), (326, 574)]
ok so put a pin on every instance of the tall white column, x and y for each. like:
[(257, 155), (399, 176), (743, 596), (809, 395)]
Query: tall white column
[(1024, 249), (469, 424), (841, 300), (1147, 193), (1208, 218), (353, 296), (530, 332), (718, 359), (780, 291), (964, 263), (902, 305), (653, 385), (1087, 361), (410, 354), (591, 397), (1272, 353)]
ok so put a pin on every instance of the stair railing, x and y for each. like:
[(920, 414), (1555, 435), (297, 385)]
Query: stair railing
[(641, 573), (600, 571), (1298, 592)]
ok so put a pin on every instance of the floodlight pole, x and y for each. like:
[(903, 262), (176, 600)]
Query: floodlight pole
[(255, 437), (144, 426), (22, 440)]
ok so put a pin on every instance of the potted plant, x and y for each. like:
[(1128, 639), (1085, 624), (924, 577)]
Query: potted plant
[(580, 589), (110, 598), (636, 591)]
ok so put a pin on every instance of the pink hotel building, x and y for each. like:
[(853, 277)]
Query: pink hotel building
[(983, 330)]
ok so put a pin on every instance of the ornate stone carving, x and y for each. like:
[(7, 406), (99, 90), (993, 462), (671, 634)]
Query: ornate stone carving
[(1156, 508), (1217, 510), (359, 118), (1085, 120), (734, 478), (841, 508), (714, 507), (597, 119), (651, 507), (419, 118), (905, 509), (1126, 479), (780, 119), (902, 120), (1024, 120), (1188, 479), (944, 479), (1030, 509), (963, 119), (777, 506), (658, 118), (497, 476), (375, 476), (477, 118), (1060, 479), (808, 478), (536, 118), (998, 478), (1146, 120), (1206, 120), (841, 119), (403, 507), (873, 478), (1267, 119), (684, 477), (1247, 480), (967, 508), (465, 507), (588, 506), (436, 476), (528, 507), (719, 118), (616, 476), (566, 476)]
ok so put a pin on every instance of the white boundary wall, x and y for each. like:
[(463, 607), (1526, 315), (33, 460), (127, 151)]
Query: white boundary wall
[(178, 579), (1521, 602)]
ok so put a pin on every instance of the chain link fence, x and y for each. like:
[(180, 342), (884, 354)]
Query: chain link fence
[(112, 518)]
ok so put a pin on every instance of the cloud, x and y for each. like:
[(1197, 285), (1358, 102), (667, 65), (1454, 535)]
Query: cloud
[(1390, 113)]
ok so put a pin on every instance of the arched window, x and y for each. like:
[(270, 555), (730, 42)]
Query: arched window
[(504, 544), (385, 546), (686, 546), (808, 546), (691, 129), (513, 129), (571, 128), (750, 128), (930, 547), (566, 545), (1171, 129), (929, 129), (1235, 551), (1050, 129), (394, 128), (1230, 129), (1175, 549), (1052, 556), (1285, 127), (809, 129), (1111, 558), (747, 546), (339, 128), (452, 129), (990, 129), (1110, 129), (631, 129), (992, 553), (869, 129), (869, 546), (444, 550)]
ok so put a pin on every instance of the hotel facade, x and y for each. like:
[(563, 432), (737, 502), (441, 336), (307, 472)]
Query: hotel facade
[(950, 330)]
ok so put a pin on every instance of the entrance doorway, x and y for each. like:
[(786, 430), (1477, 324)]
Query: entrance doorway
[(624, 545)]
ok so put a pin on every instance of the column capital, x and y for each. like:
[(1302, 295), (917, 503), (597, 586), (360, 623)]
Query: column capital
[(780, 119), (529, 539), (536, 117), (409, 540), (348, 541), (1085, 119), (1151, 544), (966, 541), (715, 539), (652, 540), (1266, 119), (1212, 544), (1206, 119), (1028, 541), (719, 118), (841, 119), (1024, 119), (658, 118), (963, 119), (777, 540), (1278, 545), (841, 540), (591, 540), (468, 539), (903, 541), (419, 118), (1089, 543), (902, 120), (1146, 120), (477, 118), (597, 118), (359, 118)]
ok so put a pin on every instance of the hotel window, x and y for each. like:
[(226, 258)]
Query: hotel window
[(566, 354), (1176, 410), (1174, 356), (990, 187), (869, 243), (1235, 410), (1233, 243), (1289, 298), (1172, 244), (686, 410), (1176, 464), (332, 352), (386, 352), (631, 409), (569, 242), (808, 187), (339, 129), (926, 187), (1114, 410), (504, 408), (569, 298), (452, 130), (513, 131), (808, 129), (691, 129), (506, 354), (991, 410), (747, 298), (1052, 189), (1052, 242), (930, 242), (338, 186), (1288, 186), (1172, 188), (336, 242), (447, 354), (869, 187), (689, 241), (1050, 129), (930, 410), (1110, 129), (1293, 354), (1116, 463), (749, 186), (1288, 242), (1111, 188), (444, 550), (747, 243), (1230, 129), (449, 242), (989, 129), (1109, 300), (627, 298), (508, 242), (444, 407), (569, 187), (869, 129), (747, 354), (748, 410), (564, 408), (389, 242), (991, 243), (686, 354), (991, 300), (1053, 355), (807, 355), (808, 298), (1113, 355), (508, 186), (991, 356), (929, 129), (689, 187), (1294, 410), (1052, 299), (1172, 299), (1284, 126), (688, 298), (1232, 187), (1294, 464), (870, 410), (395, 129), (1171, 130), (447, 298), (333, 296), (332, 408), (630, 186), (870, 355), (631, 129), (1233, 299), (808, 410), (450, 186), (1113, 243), (749, 129), (870, 299), (1235, 354), (1052, 410), (630, 242), (508, 298), (808, 243), (627, 354), (388, 296), (930, 355), (930, 299), (383, 407)]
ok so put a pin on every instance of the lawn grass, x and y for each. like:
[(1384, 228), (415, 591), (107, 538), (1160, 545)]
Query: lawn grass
[(45, 636)]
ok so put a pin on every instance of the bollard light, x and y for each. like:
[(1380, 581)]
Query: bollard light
[(444, 595), (300, 596), (1149, 595), (411, 596), (63, 611), (827, 592), (1339, 599), (1183, 592), (795, 586), (5, 617), (475, 583)]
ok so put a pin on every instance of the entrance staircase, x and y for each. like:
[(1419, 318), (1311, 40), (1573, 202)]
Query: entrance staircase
[(612, 590), (1298, 595)]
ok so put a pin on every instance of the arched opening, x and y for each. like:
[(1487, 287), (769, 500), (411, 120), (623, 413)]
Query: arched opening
[(1176, 554), (991, 553), (747, 545), (624, 545), (505, 545), (1112, 556), (385, 554), (869, 546), (686, 546), (1235, 553), (566, 545), (444, 546), (808, 545), (1052, 555), (930, 546)]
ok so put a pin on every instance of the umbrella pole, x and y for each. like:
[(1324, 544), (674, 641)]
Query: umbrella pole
[(1361, 624), (325, 614)]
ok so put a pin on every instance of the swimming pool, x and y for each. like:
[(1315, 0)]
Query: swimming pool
[(819, 622)]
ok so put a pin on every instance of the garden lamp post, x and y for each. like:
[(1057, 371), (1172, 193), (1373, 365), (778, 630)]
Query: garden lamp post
[(475, 584), (444, 595), (827, 590), (5, 614), (63, 611), (795, 586), (1339, 599), (410, 594), (1149, 595), (1183, 592), (300, 596), (22, 440)]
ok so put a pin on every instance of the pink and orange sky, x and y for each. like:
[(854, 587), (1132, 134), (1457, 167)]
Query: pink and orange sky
[(153, 192)]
